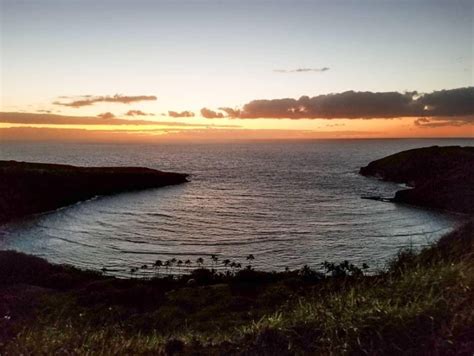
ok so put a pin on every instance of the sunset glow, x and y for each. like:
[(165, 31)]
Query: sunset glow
[(236, 177), (185, 65)]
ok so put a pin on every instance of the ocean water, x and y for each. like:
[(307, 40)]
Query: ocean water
[(287, 203)]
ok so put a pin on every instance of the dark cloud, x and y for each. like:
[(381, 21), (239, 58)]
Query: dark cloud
[(302, 70), (90, 100), (349, 104), (137, 113), (454, 102), (432, 122), (180, 114), (51, 119), (231, 112), (359, 105), (421, 121), (106, 115), (210, 114)]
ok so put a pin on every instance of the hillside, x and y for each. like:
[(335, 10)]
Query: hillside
[(421, 305), (28, 188), (440, 177)]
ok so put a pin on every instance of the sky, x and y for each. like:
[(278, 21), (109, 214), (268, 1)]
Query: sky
[(180, 63)]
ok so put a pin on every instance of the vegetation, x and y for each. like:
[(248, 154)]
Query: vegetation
[(25, 188), (441, 178), (421, 304)]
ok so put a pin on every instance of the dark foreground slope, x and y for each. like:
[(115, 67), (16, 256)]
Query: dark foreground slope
[(28, 188), (422, 305), (441, 177)]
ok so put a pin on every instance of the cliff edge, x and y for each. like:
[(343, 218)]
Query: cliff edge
[(29, 188), (440, 177)]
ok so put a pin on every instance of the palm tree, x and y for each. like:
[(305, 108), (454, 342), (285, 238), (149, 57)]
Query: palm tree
[(250, 258), (157, 265), (167, 265), (226, 262), (233, 265), (200, 261), (214, 259)]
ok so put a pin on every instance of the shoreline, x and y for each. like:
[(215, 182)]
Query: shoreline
[(32, 188), (421, 303), (124, 274), (441, 178)]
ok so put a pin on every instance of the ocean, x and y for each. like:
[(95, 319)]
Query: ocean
[(287, 203)]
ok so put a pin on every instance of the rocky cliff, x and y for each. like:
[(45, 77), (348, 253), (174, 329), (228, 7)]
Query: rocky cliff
[(441, 177), (28, 188)]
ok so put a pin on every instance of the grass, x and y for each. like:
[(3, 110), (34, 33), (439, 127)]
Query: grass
[(404, 313), (421, 304)]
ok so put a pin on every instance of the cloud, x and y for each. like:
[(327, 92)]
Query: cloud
[(19, 118), (137, 113), (359, 105), (231, 112), (210, 114), (180, 114), (106, 115), (51, 119), (454, 102), (302, 70), (421, 121), (442, 121), (117, 98), (75, 96)]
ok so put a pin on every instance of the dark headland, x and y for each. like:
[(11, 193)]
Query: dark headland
[(421, 304), (29, 188), (441, 177)]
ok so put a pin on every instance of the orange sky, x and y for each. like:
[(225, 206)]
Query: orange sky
[(224, 70), (195, 129)]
